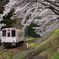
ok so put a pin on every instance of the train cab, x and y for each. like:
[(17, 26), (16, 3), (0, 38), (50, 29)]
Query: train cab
[(11, 36)]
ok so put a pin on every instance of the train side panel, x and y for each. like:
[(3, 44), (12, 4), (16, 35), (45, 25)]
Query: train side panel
[(20, 36)]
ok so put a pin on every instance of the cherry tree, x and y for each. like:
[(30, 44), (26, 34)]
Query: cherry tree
[(44, 13)]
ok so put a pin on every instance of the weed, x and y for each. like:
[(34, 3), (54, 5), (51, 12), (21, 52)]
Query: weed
[(57, 39), (7, 55), (22, 57), (32, 44), (56, 56), (29, 38), (56, 31), (44, 47), (33, 53)]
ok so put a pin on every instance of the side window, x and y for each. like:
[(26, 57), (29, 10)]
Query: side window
[(4, 33), (13, 33)]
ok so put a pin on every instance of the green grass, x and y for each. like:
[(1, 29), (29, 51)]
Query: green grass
[(22, 57), (56, 56), (29, 38), (42, 48), (57, 39), (7, 55), (51, 50), (48, 35)]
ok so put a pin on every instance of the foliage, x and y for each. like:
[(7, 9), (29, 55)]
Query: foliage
[(36, 12), (1, 10), (6, 2), (9, 14), (3, 2), (56, 31), (7, 20), (30, 31), (27, 18)]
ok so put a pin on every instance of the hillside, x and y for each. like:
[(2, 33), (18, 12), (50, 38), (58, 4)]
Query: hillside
[(46, 47)]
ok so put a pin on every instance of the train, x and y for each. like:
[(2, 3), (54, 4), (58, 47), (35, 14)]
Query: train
[(12, 37)]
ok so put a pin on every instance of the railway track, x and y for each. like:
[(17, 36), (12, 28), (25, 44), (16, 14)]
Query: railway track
[(31, 40), (23, 46), (18, 48), (3, 50)]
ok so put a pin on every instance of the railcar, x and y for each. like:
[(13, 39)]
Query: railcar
[(12, 36)]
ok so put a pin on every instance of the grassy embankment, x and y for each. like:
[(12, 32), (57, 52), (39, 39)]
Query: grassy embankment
[(46, 47)]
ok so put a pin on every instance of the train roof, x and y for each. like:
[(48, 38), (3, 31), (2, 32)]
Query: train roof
[(10, 28)]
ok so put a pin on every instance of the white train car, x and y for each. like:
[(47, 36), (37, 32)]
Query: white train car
[(12, 36)]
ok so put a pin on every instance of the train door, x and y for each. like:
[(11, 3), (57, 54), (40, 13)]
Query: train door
[(3, 35), (8, 37), (13, 35)]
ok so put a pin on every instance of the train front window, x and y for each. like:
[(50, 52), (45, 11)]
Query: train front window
[(13, 33), (8, 34), (4, 33)]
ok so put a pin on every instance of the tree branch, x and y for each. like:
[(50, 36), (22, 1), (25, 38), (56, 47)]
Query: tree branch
[(52, 3)]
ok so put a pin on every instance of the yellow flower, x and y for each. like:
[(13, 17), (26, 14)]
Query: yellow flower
[(56, 31), (32, 44)]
